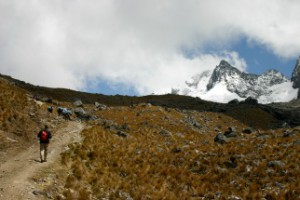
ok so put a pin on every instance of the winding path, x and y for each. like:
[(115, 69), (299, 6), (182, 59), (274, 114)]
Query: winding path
[(16, 174)]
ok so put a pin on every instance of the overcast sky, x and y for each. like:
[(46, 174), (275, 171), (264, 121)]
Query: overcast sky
[(142, 46)]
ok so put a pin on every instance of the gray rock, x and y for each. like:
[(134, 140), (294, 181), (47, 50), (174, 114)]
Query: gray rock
[(220, 138), (247, 130), (165, 133), (122, 134), (176, 150), (287, 133), (275, 163), (232, 163), (82, 114), (100, 106), (78, 103), (192, 122), (43, 98), (38, 192), (285, 125), (230, 132)]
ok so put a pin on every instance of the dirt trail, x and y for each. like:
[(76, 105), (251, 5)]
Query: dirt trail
[(16, 174)]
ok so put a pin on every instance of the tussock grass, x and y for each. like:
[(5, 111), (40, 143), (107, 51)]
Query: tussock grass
[(186, 164), (16, 124)]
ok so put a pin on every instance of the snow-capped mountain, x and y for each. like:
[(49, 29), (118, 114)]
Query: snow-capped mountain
[(226, 83)]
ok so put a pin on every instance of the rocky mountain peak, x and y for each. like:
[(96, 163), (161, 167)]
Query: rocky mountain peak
[(296, 75), (221, 73)]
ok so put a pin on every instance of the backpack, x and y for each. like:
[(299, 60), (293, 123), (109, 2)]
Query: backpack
[(44, 136)]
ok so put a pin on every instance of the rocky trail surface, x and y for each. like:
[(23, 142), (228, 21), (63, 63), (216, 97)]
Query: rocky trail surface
[(17, 174)]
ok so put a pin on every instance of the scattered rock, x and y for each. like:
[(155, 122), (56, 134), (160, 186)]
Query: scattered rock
[(287, 133), (82, 114), (220, 138), (232, 163), (42, 98), (122, 134), (100, 106), (176, 150), (234, 197), (231, 135), (275, 163), (165, 133), (50, 109), (192, 122), (230, 132), (247, 130), (217, 129), (78, 103), (38, 192), (285, 125), (125, 195)]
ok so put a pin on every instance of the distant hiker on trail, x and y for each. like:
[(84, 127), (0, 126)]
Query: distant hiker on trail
[(44, 135)]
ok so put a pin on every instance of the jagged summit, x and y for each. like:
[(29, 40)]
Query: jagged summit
[(226, 82), (296, 75)]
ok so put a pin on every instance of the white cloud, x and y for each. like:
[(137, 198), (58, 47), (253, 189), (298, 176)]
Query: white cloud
[(63, 43)]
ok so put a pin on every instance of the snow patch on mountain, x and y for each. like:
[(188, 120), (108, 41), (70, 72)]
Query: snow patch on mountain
[(283, 92), (219, 93)]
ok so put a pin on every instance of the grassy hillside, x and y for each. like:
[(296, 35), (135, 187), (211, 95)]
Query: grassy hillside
[(159, 147), (150, 152), (16, 125)]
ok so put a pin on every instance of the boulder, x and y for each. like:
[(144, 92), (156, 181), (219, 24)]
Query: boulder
[(247, 130), (82, 114), (42, 98), (275, 163), (78, 103), (50, 109), (165, 133), (122, 134), (100, 106), (230, 132), (287, 133), (220, 138)]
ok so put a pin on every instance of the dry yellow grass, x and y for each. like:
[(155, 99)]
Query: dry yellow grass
[(185, 163), (20, 117), (152, 152)]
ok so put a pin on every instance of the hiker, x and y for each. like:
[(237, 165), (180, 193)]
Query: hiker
[(44, 135)]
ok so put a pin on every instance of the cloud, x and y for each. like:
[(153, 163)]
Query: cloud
[(139, 44)]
